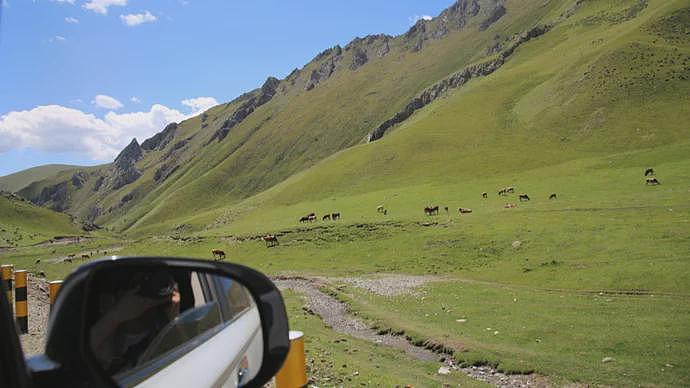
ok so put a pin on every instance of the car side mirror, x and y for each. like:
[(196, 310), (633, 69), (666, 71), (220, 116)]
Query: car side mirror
[(164, 321)]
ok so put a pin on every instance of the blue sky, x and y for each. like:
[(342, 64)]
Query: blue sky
[(80, 78)]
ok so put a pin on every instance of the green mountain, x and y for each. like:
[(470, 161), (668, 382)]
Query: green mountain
[(18, 180), (488, 88), (23, 223)]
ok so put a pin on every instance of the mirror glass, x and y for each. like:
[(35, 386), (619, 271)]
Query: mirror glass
[(162, 324)]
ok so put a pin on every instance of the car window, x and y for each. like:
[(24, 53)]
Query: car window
[(236, 299)]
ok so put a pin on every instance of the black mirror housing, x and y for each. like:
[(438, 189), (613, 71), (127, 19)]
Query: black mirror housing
[(69, 361)]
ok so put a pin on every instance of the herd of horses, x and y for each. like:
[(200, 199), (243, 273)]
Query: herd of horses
[(272, 240), (311, 217)]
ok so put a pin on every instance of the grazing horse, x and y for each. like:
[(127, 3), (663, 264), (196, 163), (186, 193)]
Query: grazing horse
[(85, 256), (304, 219), (510, 189), (485, 195), (431, 210), (311, 218), (335, 216), (380, 209), (67, 260), (464, 210), (270, 240), (510, 205), (218, 254), (652, 181), (649, 171), (326, 217), (502, 192), (553, 196), (524, 197)]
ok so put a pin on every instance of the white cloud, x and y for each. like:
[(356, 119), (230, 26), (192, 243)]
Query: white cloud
[(55, 128), (136, 19), (71, 20), (200, 104), (57, 38), (135, 99), (101, 6), (107, 102), (415, 18)]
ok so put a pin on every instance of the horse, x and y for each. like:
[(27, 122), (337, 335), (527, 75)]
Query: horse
[(502, 192), (380, 209), (464, 210), (311, 217), (304, 219), (218, 253), (510, 189), (649, 171), (326, 217), (652, 181), (552, 196), (446, 209), (270, 240), (431, 210), (335, 216), (485, 195), (38, 261), (524, 197), (510, 205), (85, 256)]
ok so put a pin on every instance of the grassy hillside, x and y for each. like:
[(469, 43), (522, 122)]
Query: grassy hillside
[(18, 180), (23, 224)]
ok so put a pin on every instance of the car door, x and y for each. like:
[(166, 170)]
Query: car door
[(13, 370)]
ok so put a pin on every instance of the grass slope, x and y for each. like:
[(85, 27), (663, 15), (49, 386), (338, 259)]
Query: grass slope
[(18, 180)]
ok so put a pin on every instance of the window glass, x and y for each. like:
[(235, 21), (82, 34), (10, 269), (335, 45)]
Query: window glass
[(236, 298)]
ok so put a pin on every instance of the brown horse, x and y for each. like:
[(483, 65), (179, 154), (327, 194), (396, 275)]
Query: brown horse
[(335, 216), (524, 197), (502, 192), (485, 195), (553, 196), (464, 210), (326, 217), (652, 181), (431, 210), (270, 240), (218, 254)]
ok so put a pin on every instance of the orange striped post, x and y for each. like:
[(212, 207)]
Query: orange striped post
[(7, 271), (293, 373), (53, 288), (21, 302)]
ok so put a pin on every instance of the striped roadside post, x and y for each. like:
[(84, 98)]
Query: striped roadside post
[(7, 270), (53, 288), (293, 373), (21, 306)]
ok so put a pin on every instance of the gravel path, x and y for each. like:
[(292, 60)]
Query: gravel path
[(336, 316), (39, 307), (390, 284)]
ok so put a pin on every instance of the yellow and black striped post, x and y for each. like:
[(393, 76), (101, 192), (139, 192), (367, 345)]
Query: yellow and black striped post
[(53, 288), (21, 304), (7, 270), (293, 373)]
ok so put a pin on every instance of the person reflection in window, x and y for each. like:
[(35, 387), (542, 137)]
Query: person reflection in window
[(126, 329)]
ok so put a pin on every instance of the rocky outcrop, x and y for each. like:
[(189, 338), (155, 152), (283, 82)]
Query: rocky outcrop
[(78, 179), (164, 171), (264, 95), (497, 13), (359, 58), (57, 195), (454, 81), (161, 139), (327, 67), (456, 16), (123, 170)]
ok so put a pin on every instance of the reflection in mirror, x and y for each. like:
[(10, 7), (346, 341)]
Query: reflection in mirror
[(141, 320)]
